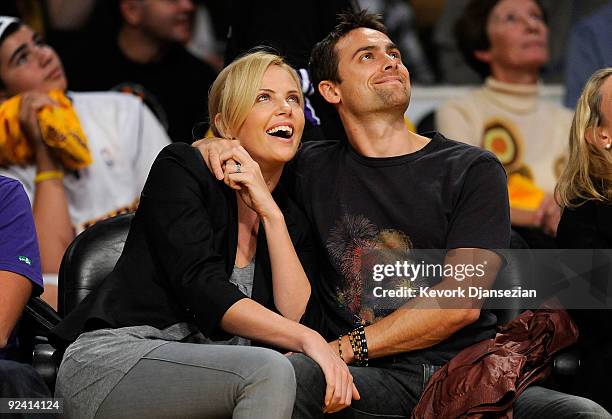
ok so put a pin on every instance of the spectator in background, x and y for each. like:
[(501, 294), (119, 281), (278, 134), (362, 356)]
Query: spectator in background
[(19, 279), (506, 40), (455, 69), (590, 48), (123, 138), (148, 57), (585, 193), (204, 43)]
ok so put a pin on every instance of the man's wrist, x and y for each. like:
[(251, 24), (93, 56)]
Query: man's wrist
[(44, 161)]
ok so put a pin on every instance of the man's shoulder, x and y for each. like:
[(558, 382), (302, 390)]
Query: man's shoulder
[(315, 150), (10, 189), (8, 185), (461, 152), (16, 180)]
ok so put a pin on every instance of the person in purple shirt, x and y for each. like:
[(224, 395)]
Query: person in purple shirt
[(20, 278)]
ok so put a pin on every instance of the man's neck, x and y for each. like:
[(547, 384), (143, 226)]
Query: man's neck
[(381, 135), (139, 47)]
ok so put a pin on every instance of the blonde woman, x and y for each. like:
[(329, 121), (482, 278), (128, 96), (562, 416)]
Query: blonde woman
[(585, 187), (585, 193), (208, 272)]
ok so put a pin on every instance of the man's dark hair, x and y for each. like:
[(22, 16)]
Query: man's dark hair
[(471, 32), (323, 64), (11, 29)]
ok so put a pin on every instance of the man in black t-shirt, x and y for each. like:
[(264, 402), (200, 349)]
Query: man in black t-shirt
[(386, 192)]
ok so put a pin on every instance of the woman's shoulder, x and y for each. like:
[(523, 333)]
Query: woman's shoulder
[(178, 169), (187, 157), (585, 225)]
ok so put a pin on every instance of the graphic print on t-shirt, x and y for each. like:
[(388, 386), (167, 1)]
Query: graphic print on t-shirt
[(354, 246)]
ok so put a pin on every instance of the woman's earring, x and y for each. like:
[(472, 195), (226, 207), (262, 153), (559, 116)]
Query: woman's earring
[(608, 146)]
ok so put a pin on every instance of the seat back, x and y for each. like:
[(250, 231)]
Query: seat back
[(91, 256)]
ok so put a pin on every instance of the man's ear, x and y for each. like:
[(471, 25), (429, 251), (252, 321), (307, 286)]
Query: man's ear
[(330, 92), (483, 55), (131, 11)]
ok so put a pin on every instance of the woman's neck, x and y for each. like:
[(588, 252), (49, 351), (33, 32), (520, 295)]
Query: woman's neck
[(271, 174), (515, 76)]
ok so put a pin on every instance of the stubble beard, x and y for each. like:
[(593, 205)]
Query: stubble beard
[(391, 98)]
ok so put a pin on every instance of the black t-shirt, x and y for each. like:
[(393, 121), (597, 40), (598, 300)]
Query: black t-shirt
[(446, 195), (175, 88)]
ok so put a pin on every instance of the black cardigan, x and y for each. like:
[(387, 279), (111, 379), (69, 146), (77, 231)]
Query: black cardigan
[(180, 253), (588, 226)]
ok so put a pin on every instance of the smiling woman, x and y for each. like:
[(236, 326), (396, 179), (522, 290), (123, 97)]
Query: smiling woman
[(270, 126), (208, 272)]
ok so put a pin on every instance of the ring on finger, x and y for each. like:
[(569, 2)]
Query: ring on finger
[(238, 168)]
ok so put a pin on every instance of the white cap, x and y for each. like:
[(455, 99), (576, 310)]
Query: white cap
[(5, 22)]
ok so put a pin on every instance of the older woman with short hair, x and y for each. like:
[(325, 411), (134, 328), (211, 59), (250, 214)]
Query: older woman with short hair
[(506, 41)]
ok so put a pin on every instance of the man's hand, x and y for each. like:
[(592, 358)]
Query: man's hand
[(31, 103), (217, 152)]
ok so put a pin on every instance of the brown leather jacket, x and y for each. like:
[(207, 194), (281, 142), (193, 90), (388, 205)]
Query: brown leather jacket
[(487, 377)]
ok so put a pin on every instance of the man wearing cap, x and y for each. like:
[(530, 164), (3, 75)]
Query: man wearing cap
[(117, 139)]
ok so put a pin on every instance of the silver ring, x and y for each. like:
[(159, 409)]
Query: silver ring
[(237, 168)]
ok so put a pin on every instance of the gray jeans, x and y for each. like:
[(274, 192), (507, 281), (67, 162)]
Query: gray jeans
[(205, 381), (392, 389)]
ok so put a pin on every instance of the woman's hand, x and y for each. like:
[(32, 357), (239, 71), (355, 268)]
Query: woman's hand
[(340, 389), (245, 177)]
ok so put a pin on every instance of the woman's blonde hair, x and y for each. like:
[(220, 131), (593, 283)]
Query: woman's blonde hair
[(233, 93), (588, 174)]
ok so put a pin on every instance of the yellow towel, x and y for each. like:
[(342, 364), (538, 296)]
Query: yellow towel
[(523, 193), (60, 129)]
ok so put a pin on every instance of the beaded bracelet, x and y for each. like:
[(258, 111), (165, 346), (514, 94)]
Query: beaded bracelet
[(359, 344)]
